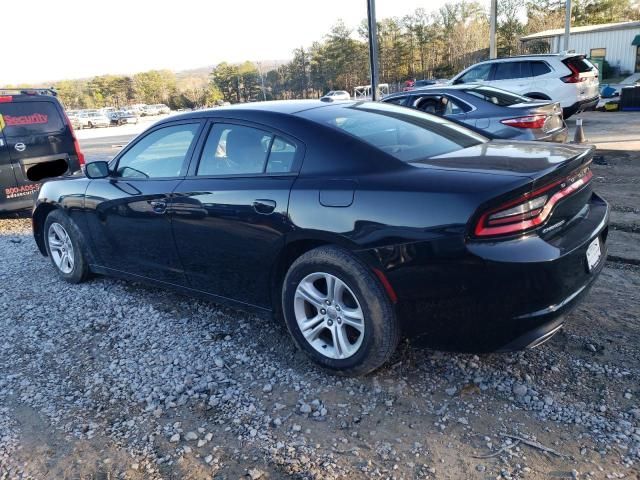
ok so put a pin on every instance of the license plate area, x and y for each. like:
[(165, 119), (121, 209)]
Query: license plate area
[(594, 254)]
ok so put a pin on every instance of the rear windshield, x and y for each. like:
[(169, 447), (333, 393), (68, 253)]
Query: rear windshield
[(497, 96), (581, 64), (30, 118), (409, 135)]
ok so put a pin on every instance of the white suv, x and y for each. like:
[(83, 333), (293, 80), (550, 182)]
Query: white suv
[(567, 78)]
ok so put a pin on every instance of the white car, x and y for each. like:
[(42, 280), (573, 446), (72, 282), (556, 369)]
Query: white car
[(336, 95), (150, 110), (567, 78), (93, 119)]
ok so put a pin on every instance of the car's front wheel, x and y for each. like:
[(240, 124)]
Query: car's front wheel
[(65, 247), (338, 312)]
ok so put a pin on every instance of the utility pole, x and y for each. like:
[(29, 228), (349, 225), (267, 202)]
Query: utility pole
[(493, 14), (373, 47), (567, 25), (264, 95)]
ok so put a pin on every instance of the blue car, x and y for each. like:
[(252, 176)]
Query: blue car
[(493, 112)]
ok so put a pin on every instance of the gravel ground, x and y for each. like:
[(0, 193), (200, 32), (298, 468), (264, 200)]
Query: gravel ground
[(110, 379)]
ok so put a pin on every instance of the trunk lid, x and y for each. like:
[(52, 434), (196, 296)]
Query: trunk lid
[(551, 110), (546, 170), (540, 161)]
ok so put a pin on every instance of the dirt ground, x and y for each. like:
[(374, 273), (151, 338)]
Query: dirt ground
[(113, 394)]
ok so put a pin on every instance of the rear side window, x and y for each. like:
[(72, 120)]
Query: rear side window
[(497, 96), (509, 70), (539, 68), (397, 100), (406, 134), (30, 118), (234, 150), (579, 64), (281, 156)]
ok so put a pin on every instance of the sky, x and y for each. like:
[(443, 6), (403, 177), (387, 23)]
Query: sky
[(64, 39)]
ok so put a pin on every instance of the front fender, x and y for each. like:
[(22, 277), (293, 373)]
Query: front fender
[(64, 193)]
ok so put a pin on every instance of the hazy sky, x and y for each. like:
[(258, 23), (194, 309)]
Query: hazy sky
[(51, 40)]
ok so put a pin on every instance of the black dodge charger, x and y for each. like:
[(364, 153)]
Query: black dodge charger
[(357, 222)]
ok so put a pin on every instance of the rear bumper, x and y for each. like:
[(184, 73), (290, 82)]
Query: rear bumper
[(559, 135), (499, 296), (581, 106)]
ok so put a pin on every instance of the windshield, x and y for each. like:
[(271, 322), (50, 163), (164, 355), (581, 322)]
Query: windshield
[(408, 135)]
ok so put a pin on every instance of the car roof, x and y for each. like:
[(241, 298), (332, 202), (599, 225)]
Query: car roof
[(286, 107), (432, 88), (533, 56)]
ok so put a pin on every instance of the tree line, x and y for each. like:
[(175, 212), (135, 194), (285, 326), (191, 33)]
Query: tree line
[(419, 45)]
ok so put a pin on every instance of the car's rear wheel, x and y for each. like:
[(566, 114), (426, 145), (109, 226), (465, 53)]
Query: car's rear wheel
[(65, 247), (90, 125), (338, 312)]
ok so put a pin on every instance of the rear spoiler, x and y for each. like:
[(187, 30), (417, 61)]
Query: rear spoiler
[(29, 91)]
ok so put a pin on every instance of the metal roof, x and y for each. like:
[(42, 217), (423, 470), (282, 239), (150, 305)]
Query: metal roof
[(584, 29)]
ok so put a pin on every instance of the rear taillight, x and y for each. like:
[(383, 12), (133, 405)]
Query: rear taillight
[(530, 121), (76, 144), (6, 98), (575, 75), (531, 209)]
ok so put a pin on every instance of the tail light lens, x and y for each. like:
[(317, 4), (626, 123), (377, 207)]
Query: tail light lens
[(531, 209), (575, 75), (6, 98), (530, 121), (76, 144)]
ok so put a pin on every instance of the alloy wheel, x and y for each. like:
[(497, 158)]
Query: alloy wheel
[(60, 247), (329, 315)]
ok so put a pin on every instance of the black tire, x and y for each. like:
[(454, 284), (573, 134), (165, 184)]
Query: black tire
[(381, 328), (90, 125), (80, 271)]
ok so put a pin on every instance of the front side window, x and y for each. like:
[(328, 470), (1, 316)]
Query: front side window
[(160, 153), (234, 150), (440, 105), (481, 72), (407, 134), (30, 118)]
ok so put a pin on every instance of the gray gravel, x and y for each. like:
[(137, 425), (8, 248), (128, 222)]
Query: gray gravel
[(144, 383)]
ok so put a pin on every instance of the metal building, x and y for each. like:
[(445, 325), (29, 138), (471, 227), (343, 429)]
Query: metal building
[(617, 43)]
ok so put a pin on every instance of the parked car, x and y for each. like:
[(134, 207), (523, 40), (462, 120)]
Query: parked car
[(93, 119), (413, 84), (150, 110), (495, 112), (162, 109), (359, 221), (37, 142), (570, 79), (336, 95), (122, 117)]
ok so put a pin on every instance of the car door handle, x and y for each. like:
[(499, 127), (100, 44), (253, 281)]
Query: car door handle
[(158, 206), (265, 207)]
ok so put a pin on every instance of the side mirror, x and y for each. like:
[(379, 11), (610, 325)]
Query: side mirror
[(99, 169)]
